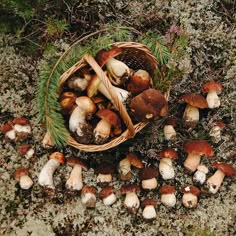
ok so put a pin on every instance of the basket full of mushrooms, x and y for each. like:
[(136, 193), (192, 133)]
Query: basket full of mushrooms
[(107, 99)]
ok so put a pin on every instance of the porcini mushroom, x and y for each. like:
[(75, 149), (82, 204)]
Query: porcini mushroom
[(88, 196), (195, 150), (213, 89), (22, 128), (214, 182), (168, 195), (9, 131), (22, 176), (148, 177), (190, 196), (107, 195), (78, 83), (149, 211), (165, 167), (148, 105), (26, 150), (67, 105), (75, 181), (199, 176), (194, 102), (104, 173), (46, 175), (215, 131), (169, 130)]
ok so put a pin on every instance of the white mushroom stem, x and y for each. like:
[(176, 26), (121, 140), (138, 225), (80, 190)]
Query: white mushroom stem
[(88, 199), (124, 166), (78, 83), (169, 200), (191, 114), (189, 200), (131, 200), (215, 181), (75, 180), (22, 128), (215, 132), (200, 175), (166, 168), (104, 178), (25, 182), (109, 200), (102, 129), (149, 183), (149, 212), (169, 132), (11, 134), (212, 99), (29, 153), (46, 175), (192, 161)]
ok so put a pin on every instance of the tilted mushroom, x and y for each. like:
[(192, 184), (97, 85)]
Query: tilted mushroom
[(22, 128), (22, 176), (195, 150), (165, 167), (88, 196), (148, 177), (168, 195), (148, 105), (169, 130), (216, 130), (46, 175), (9, 131), (194, 102), (75, 181), (149, 211), (190, 196), (26, 150), (199, 176), (214, 182), (107, 195), (104, 173), (212, 89)]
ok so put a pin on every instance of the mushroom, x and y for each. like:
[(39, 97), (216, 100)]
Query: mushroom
[(169, 130), (67, 105), (47, 142), (88, 196), (78, 84), (46, 175), (148, 177), (212, 89), (107, 195), (215, 131), (190, 196), (195, 150), (131, 201), (199, 176), (22, 176), (214, 182), (148, 105), (22, 128), (75, 181), (194, 102), (165, 167), (26, 150), (168, 197), (104, 171), (108, 120), (149, 211), (9, 131)]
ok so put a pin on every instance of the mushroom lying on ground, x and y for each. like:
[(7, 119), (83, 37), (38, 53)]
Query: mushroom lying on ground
[(148, 177), (45, 178), (215, 131), (148, 105), (47, 142), (168, 197), (194, 102), (214, 182), (212, 89), (190, 196), (104, 173), (107, 195), (22, 176), (199, 176), (149, 211), (8, 130), (26, 150), (88, 196), (165, 167), (75, 181), (195, 150), (131, 201), (169, 130), (22, 128)]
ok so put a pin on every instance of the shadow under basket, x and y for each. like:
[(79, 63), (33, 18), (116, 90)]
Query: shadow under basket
[(135, 56)]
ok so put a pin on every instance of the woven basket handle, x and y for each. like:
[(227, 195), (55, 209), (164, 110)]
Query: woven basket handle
[(117, 103)]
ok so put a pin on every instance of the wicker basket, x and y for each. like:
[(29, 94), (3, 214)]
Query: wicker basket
[(136, 56)]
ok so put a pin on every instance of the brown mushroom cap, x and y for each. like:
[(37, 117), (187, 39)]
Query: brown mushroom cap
[(227, 169), (190, 189), (148, 202), (109, 116), (24, 149), (200, 147), (129, 188), (220, 124), (58, 156), (148, 173), (88, 189), (212, 86), (169, 153), (87, 103), (167, 189), (104, 168), (194, 99), (21, 172), (7, 127), (21, 121), (170, 121), (134, 160), (76, 161), (68, 94), (148, 105), (105, 192)]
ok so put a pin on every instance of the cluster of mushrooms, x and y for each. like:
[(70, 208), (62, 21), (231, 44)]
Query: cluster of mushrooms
[(88, 107)]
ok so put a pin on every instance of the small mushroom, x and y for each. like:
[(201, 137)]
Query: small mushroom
[(148, 105), (131, 201), (165, 167), (45, 178), (47, 142), (199, 176), (107, 195), (214, 182), (88, 196), (213, 89), (26, 150), (148, 177), (104, 173), (194, 103), (195, 150), (149, 211), (9, 131), (168, 195), (190, 196), (75, 181), (22, 176), (67, 105), (216, 130), (169, 130), (22, 128)]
